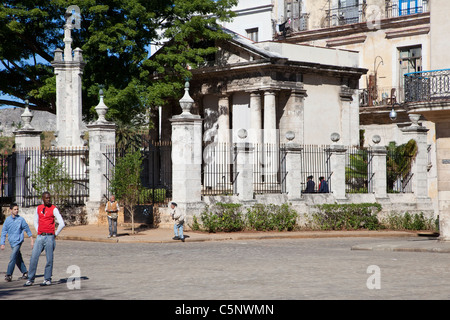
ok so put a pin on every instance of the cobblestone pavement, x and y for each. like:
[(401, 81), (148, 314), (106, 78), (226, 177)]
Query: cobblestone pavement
[(254, 269)]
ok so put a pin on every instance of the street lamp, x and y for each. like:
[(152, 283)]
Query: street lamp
[(393, 113)]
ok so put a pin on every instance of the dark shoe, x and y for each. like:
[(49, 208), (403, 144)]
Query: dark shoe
[(24, 276), (176, 238), (182, 239), (8, 278)]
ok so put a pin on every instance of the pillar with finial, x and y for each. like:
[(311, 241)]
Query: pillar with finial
[(102, 137), (186, 156), (27, 137), (68, 68)]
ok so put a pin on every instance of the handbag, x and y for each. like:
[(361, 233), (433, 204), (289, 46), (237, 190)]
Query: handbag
[(114, 215)]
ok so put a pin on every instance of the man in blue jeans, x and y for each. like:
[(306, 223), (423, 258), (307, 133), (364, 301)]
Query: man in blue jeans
[(44, 222), (14, 227)]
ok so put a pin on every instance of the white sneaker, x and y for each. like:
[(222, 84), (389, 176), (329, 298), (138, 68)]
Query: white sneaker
[(28, 283), (46, 283)]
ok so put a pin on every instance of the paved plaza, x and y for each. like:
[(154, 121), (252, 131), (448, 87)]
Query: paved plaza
[(271, 269)]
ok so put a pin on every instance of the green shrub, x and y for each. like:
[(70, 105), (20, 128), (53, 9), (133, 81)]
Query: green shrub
[(407, 221), (271, 217), (229, 217), (347, 216), (225, 217)]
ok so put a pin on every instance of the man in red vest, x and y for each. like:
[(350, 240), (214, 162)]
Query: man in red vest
[(44, 223)]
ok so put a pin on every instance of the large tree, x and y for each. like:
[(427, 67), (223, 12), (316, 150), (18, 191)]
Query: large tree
[(115, 37)]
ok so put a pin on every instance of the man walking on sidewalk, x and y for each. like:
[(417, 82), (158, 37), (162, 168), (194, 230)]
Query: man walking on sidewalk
[(44, 222), (14, 227)]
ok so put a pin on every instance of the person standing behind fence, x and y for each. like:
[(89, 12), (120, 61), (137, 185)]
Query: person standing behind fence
[(323, 185), (14, 227), (112, 209), (179, 218), (44, 223), (310, 185)]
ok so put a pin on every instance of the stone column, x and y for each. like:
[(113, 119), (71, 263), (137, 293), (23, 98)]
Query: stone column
[(186, 153), (68, 71), (102, 137), (255, 118), (256, 132), (244, 164), (27, 140), (379, 179), (337, 164), (293, 165), (270, 119), (223, 133), (292, 119), (419, 168), (27, 137), (270, 156), (443, 168)]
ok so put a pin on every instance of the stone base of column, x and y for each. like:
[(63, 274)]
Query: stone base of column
[(92, 211)]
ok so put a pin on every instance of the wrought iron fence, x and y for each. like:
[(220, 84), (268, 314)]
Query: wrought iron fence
[(358, 170), (315, 161), (398, 172), (156, 174), (427, 85), (218, 169), (269, 170), (28, 175)]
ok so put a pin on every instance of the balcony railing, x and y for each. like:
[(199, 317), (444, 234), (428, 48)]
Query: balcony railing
[(396, 9), (380, 96), (427, 85), (345, 15), (358, 13)]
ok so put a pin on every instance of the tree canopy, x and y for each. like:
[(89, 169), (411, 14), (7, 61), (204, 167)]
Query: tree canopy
[(115, 37)]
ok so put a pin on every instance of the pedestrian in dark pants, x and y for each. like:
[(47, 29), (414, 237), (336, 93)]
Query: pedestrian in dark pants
[(14, 227), (112, 209), (44, 222)]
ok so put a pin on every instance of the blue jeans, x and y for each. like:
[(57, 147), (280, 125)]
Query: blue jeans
[(42, 243), (16, 259), (112, 226), (178, 229)]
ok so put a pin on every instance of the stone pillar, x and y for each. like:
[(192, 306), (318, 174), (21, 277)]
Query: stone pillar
[(68, 71), (293, 165), (102, 137), (256, 132), (379, 179), (270, 118), (419, 168), (255, 118), (337, 164), (27, 139), (349, 115), (244, 168), (186, 153), (443, 168), (292, 119), (223, 132)]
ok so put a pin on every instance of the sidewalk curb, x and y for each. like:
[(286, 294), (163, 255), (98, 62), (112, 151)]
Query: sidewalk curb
[(245, 236)]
